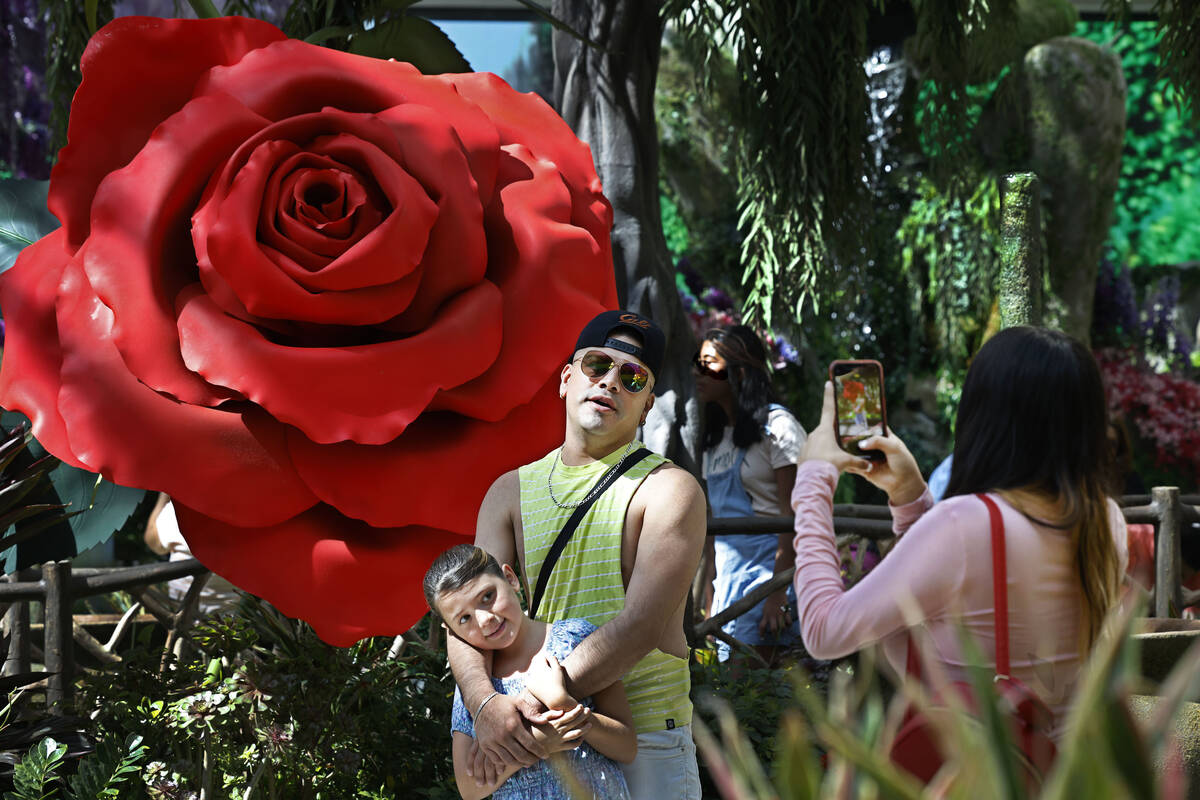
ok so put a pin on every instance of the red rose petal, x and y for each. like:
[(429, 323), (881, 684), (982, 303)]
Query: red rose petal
[(290, 78), (139, 254), (527, 120), (534, 251), (226, 234), (368, 393), (167, 56), (29, 379), (309, 247), (433, 126), (456, 255), (231, 464), (436, 473), (343, 577)]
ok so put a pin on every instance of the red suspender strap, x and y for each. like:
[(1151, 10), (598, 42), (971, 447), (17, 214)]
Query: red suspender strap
[(999, 585)]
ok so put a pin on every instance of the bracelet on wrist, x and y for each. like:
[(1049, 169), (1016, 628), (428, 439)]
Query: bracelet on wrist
[(485, 701)]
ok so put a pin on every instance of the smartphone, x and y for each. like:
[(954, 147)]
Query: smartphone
[(861, 409)]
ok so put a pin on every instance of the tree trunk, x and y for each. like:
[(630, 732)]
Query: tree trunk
[(607, 97)]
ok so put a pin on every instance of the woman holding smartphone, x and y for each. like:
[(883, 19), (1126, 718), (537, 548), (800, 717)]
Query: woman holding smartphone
[(751, 444), (1031, 434)]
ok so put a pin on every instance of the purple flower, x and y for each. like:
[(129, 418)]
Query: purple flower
[(717, 299)]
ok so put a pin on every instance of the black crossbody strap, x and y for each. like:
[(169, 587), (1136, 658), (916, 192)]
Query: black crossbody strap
[(627, 463)]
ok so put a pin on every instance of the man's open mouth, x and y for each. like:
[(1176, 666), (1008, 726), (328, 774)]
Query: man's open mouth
[(600, 401)]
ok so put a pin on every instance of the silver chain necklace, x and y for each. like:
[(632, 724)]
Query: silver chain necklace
[(589, 496)]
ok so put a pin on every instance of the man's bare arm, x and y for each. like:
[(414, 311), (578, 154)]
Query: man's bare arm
[(494, 533), (501, 735), (669, 548)]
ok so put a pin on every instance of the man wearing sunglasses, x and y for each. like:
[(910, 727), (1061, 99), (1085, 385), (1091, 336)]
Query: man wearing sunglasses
[(627, 567)]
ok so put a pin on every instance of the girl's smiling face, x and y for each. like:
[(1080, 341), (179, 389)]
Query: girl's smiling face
[(485, 612)]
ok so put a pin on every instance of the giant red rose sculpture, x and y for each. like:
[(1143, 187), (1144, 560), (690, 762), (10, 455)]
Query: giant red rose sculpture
[(319, 299)]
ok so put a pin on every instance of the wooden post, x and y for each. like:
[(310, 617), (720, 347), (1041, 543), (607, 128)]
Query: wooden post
[(59, 643), (1168, 593), (1020, 282), (16, 627)]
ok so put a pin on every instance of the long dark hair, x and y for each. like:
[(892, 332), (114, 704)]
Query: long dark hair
[(1033, 417), (746, 361)]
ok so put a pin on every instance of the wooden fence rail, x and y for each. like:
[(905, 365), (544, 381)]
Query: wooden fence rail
[(1164, 507), (56, 585)]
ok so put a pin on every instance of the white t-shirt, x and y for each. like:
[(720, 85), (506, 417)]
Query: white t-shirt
[(779, 447), (218, 594)]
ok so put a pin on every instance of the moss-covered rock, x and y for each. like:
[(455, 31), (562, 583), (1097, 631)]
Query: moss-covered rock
[(1061, 115), (1075, 103)]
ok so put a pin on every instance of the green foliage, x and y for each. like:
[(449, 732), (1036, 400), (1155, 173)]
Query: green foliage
[(1106, 751), (35, 770), (23, 217), (754, 697), (411, 39), (798, 188), (101, 776), (695, 102), (950, 245), (1158, 194), (69, 25), (265, 707), (97, 508), (674, 229)]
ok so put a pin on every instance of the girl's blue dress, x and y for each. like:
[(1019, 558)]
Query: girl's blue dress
[(598, 773)]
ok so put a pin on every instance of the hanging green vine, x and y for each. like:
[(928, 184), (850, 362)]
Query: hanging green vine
[(69, 25), (800, 136)]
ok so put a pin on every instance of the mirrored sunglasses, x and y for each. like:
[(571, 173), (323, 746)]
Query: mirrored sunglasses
[(707, 371), (595, 365)]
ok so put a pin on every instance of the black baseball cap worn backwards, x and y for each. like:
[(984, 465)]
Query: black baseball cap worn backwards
[(598, 332)]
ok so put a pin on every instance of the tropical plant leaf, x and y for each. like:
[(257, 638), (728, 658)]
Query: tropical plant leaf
[(25, 513), (98, 507), (797, 770), (24, 217), (101, 776), (412, 39), (35, 770)]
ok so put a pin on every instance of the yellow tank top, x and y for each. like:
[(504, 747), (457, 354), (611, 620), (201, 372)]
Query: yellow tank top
[(586, 581)]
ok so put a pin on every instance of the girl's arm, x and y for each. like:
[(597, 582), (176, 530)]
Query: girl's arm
[(612, 731), (560, 734)]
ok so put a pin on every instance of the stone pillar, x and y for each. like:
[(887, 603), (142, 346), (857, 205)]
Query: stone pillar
[(1020, 295)]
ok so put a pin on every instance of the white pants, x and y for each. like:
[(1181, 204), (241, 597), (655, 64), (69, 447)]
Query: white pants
[(665, 767)]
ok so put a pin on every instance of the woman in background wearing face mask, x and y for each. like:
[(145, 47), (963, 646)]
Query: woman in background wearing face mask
[(751, 444)]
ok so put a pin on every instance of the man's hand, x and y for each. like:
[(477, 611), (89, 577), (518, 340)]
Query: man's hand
[(502, 738), (776, 614)]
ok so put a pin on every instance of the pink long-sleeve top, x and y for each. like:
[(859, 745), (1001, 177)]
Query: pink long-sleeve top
[(940, 571)]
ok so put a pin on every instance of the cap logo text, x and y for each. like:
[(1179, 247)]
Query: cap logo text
[(634, 319)]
